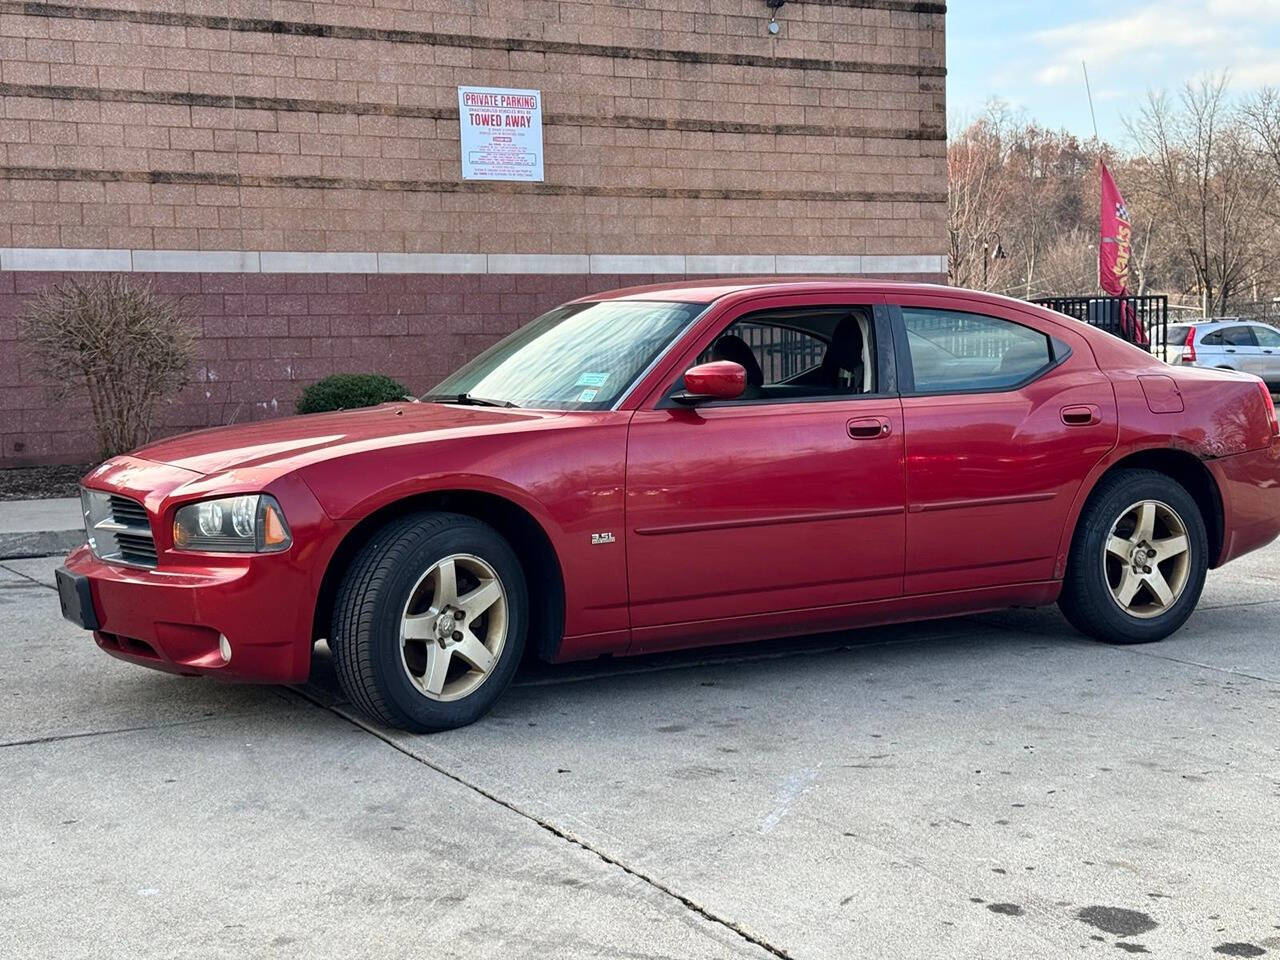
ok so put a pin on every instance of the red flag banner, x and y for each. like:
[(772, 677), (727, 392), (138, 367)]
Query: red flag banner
[(1113, 253)]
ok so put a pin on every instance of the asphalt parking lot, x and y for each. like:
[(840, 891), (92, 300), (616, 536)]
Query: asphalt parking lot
[(981, 787)]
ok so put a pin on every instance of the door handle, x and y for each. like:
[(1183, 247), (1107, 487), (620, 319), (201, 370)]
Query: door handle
[(869, 428), (1264, 350), (1229, 350), (1081, 415)]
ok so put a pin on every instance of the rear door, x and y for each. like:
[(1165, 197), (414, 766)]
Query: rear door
[(1005, 413)]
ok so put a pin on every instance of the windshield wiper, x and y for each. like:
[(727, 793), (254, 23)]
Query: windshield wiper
[(467, 400)]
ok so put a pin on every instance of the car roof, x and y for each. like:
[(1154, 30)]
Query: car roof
[(714, 288), (1220, 322)]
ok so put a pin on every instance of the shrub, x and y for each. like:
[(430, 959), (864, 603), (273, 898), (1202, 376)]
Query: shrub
[(346, 391), (129, 346)]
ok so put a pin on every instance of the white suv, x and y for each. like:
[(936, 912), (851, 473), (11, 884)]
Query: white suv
[(1229, 344)]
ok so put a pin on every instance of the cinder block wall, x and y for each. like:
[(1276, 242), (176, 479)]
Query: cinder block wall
[(292, 170)]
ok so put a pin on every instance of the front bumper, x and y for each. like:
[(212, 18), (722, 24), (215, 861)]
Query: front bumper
[(172, 618)]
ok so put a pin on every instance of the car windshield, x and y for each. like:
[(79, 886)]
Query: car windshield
[(581, 356)]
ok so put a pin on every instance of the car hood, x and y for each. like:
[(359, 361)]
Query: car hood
[(296, 441)]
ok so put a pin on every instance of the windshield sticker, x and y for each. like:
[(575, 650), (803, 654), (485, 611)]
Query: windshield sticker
[(586, 396), (592, 379)]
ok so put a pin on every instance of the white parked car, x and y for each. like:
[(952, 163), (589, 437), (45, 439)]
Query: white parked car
[(1228, 344)]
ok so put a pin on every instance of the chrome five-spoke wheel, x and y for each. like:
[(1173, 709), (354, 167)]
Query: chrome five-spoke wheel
[(430, 620), (453, 627), (1138, 557), (1147, 558)]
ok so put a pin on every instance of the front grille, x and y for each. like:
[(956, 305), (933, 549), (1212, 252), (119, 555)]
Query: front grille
[(118, 528), (124, 510)]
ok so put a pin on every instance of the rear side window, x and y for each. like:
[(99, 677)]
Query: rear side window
[(1212, 339), (1238, 337), (954, 352)]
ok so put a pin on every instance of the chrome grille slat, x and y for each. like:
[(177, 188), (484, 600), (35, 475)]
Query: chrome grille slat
[(118, 528)]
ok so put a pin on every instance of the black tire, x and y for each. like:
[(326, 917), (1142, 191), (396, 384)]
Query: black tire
[(369, 605), (1086, 599)]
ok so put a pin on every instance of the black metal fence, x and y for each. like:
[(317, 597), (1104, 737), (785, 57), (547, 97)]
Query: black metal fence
[(1139, 320), (782, 351)]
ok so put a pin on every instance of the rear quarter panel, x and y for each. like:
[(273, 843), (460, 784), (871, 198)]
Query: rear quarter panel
[(1223, 418)]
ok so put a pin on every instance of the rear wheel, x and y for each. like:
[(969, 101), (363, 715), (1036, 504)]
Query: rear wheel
[(429, 622), (1138, 559)]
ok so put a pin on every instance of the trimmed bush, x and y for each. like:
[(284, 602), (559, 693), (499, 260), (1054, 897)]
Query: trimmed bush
[(347, 391), (128, 346)]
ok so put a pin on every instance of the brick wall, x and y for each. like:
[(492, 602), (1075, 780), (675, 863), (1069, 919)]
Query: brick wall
[(679, 134), (262, 337), (169, 126)]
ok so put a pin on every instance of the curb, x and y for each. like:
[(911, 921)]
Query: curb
[(42, 543)]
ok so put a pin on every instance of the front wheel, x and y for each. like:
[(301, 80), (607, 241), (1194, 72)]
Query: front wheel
[(429, 622), (1138, 559)]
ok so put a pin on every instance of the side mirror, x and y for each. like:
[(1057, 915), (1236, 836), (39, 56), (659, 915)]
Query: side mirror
[(717, 380)]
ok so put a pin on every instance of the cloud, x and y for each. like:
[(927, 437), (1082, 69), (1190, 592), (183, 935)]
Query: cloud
[(1264, 73), (1196, 36), (1057, 73), (1245, 9), (1152, 29)]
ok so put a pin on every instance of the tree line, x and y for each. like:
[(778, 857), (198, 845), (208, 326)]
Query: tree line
[(1201, 180)]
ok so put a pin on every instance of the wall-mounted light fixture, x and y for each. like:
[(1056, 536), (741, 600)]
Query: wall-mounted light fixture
[(774, 6)]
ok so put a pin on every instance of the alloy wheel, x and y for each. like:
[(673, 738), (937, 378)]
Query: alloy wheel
[(1147, 559), (453, 627)]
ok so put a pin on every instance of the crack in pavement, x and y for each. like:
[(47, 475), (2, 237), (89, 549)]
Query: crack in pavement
[(58, 737), (1196, 663), (194, 721), (26, 576), (689, 903)]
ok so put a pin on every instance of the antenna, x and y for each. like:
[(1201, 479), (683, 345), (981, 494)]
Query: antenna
[(1084, 66)]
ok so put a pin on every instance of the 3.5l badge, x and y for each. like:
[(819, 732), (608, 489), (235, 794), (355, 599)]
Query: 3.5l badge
[(601, 538)]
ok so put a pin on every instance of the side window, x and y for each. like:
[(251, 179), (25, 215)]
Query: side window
[(1267, 337), (1212, 339), (1238, 337), (781, 352), (953, 352), (801, 353)]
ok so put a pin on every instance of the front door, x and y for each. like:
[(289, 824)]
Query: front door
[(1268, 369), (785, 500)]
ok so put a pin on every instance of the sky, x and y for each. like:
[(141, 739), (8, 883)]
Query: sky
[(1028, 53)]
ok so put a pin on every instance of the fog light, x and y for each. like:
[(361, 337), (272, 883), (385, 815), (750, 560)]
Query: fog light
[(224, 648)]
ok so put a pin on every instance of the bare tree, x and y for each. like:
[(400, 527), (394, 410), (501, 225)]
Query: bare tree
[(1047, 173), (976, 197), (1200, 166), (1261, 113)]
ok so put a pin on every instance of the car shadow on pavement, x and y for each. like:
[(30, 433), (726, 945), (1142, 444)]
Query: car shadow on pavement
[(1009, 628)]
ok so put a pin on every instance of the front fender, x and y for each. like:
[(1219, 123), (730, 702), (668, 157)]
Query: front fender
[(569, 481)]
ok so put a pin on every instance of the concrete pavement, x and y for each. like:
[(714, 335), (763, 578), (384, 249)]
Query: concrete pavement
[(984, 787), (33, 528)]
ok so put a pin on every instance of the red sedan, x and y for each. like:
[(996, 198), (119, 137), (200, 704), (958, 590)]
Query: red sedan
[(665, 467)]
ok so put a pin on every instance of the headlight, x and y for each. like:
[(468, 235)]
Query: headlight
[(246, 524)]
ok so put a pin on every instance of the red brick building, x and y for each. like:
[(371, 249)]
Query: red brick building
[(291, 170)]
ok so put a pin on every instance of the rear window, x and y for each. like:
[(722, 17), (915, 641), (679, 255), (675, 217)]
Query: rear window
[(1178, 333)]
